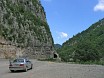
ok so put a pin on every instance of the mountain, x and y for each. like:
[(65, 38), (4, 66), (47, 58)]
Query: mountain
[(57, 46), (85, 46), (24, 30)]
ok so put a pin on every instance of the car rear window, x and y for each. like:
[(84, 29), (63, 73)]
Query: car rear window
[(18, 60)]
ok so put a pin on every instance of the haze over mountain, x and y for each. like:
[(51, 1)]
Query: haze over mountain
[(57, 46)]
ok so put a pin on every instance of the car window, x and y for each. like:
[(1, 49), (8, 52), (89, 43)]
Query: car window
[(18, 60), (27, 60)]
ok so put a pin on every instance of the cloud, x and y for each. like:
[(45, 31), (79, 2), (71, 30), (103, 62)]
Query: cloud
[(62, 35), (99, 6)]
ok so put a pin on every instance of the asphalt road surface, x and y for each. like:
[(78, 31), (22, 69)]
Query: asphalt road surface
[(43, 69)]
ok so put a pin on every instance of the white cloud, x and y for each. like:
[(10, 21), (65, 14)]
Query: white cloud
[(62, 35), (99, 6)]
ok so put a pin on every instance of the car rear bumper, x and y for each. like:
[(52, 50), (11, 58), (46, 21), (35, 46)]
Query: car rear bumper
[(17, 68)]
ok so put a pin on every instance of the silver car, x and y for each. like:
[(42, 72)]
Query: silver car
[(20, 64)]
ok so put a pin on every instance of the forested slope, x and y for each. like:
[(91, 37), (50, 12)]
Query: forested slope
[(85, 46)]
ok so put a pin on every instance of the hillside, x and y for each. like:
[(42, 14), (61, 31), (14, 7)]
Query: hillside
[(23, 25), (85, 46)]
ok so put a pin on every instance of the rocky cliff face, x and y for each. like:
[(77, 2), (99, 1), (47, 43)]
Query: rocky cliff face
[(23, 27)]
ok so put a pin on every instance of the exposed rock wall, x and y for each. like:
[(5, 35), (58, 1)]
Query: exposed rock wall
[(23, 23)]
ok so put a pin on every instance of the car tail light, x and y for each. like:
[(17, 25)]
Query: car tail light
[(21, 64), (10, 65)]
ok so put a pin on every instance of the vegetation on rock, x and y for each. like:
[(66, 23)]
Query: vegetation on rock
[(23, 22)]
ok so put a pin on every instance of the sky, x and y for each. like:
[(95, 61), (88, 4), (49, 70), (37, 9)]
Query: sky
[(66, 18)]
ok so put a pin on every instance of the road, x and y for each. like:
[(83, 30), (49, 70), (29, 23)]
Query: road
[(43, 69)]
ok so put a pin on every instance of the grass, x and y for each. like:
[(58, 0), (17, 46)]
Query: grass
[(49, 59), (90, 62)]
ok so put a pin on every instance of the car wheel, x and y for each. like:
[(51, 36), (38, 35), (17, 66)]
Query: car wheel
[(31, 67), (12, 70), (25, 69)]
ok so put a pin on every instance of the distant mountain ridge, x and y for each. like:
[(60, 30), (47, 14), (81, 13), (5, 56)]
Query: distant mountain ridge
[(23, 23), (57, 46), (85, 46)]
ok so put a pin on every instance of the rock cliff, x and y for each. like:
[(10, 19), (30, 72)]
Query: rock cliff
[(24, 30)]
